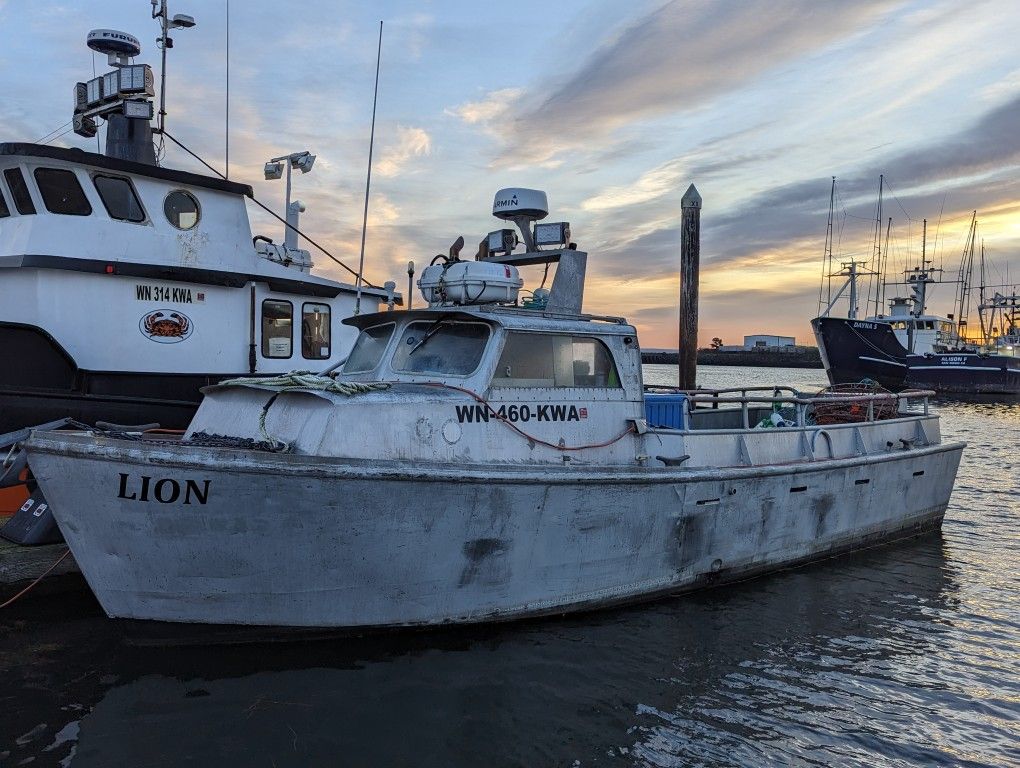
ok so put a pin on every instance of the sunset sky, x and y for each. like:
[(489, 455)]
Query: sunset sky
[(612, 108)]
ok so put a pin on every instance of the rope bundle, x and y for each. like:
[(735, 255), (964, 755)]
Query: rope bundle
[(308, 380)]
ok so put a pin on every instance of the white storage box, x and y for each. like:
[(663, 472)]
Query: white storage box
[(470, 282)]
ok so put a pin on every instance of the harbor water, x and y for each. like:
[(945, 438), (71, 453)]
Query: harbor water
[(907, 655)]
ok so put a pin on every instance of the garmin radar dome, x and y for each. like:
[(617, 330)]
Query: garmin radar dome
[(516, 202)]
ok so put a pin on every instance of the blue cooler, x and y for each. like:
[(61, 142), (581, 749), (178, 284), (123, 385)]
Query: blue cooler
[(667, 410)]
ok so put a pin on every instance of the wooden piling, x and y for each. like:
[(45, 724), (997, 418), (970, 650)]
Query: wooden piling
[(690, 254)]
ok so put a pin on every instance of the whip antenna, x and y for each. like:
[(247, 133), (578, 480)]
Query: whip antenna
[(368, 180)]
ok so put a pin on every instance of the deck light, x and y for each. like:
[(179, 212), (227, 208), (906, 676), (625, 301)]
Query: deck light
[(273, 171), (303, 162), (557, 233), (94, 91), (502, 241), (136, 78), (142, 109)]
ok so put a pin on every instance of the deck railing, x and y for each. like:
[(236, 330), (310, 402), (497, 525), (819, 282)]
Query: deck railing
[(713, 398)]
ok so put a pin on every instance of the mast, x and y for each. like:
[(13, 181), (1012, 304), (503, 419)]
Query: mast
[(368, 178), (877, 244), (966, 269), (882, 269), (827, 252)]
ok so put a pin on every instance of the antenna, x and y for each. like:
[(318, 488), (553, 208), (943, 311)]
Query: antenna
[(226, 127), (368, 179), (164, 41)]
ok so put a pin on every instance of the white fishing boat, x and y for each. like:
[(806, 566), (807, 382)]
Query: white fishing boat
[(485, 458), (127, 285)]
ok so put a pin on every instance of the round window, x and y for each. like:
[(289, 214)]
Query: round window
[(181, 209)]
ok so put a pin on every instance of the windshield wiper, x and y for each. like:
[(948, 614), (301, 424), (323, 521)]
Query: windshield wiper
[(432, 331)]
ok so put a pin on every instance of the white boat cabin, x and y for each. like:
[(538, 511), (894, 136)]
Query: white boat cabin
[(122, 279)]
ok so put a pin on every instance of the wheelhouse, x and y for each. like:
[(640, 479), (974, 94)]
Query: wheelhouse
[(499, 352)]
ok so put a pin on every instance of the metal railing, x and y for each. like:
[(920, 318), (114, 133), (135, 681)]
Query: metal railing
[(713, 398)]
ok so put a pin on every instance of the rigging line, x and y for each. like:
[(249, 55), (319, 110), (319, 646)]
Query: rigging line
[(58, 136), (909, 217), (46, 136), (268, 210)]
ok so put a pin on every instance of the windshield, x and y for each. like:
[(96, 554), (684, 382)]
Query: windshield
[(442, 346), (368, 349)]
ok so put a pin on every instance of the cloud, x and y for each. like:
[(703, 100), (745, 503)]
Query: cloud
[(650, 185), (487, 111), (679, 56), (411, 143)]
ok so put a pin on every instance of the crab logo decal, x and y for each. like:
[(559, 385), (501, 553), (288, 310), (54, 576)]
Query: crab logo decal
[(165, 326)]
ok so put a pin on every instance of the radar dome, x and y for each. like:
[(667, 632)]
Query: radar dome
[(113, 43), (517, 201)]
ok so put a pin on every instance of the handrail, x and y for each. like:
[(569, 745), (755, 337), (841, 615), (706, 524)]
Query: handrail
[(798, 400), (812, 400), (677, 390)]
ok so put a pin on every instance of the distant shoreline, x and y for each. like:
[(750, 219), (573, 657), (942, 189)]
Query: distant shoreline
[(801, 358)]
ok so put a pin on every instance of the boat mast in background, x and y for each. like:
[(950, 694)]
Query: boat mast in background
[(964, 279), (877, 248)]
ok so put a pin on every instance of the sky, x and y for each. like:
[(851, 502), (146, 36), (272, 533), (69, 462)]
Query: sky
[(612, 108)]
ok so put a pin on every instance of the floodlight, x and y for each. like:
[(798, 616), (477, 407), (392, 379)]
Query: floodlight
[(182, 21), (136, 78), (303, 162), (273, 171), (141, 109), (111, 84), (502, 241), (557, 233), (84, 126), (94, 91), (81, 97)]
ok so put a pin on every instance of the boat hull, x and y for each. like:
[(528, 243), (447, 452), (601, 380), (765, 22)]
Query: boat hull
[(853, 350), (224, 537)]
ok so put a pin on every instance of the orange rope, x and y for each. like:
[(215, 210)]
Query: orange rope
[(44, 574)]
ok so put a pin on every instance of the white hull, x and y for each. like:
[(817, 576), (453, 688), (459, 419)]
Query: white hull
[(300, 541)]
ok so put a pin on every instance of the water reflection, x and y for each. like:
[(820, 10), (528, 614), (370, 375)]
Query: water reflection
[(758, 672)]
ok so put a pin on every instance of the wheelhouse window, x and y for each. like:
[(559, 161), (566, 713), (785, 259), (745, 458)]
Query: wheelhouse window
[(61, 192), (442, 347), (19, 191), (315, 331), (119, 198), (369, 348), (277, 328), (182, 209), (555, 360), (4, 210)]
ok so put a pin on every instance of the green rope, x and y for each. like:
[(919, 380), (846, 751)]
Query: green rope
[(297, 380)]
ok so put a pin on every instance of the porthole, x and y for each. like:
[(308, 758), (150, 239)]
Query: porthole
[(182, 209)]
